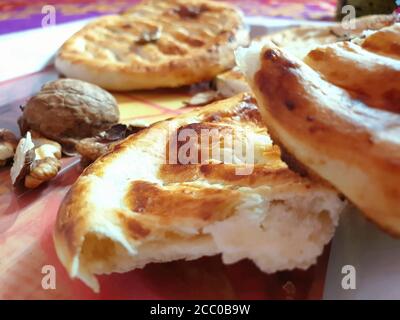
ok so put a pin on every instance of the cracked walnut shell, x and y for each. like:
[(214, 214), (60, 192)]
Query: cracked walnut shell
[(36, 160)]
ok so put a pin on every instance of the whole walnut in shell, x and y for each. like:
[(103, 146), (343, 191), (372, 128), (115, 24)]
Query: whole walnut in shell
[(67, 109)]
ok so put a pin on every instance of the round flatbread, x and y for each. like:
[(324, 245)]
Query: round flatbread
[(150, 201), (155, 44), (300, 40)]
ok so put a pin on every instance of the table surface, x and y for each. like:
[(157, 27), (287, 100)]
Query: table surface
[(27, 216)]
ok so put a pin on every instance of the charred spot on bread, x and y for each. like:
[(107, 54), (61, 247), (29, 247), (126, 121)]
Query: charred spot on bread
[(290, 105), (190, 11)]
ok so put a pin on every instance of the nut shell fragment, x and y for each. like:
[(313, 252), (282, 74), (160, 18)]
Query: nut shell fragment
[(36, 160), (92, 148), (23, 157)]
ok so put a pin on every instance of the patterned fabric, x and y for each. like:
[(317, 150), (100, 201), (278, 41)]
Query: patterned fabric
[(25, 14)]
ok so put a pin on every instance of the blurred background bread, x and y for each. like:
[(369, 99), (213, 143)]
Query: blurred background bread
[(156, 44), (339, 118)]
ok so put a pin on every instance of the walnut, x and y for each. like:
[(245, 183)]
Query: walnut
[(45, 147), (66, 110), (42, 170), (8, 144), (36, 160), (92, 148)]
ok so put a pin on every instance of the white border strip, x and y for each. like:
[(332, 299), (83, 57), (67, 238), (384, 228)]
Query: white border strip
[(30, 51)]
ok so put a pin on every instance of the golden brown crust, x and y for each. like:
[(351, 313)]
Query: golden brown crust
[(184, 201), (190, 47), (385, 42), (360, 72), (70, 223)]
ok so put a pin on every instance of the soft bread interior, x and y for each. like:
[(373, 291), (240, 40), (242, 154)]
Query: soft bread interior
[(282, 232), (248, 59)]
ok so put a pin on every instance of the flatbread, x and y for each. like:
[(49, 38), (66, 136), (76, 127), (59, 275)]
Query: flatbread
[(144, 203), (300, 40), (155, 44), (338, 115)]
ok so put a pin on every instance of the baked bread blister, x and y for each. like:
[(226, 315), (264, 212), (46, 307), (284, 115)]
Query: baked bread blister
[(338, 115), (138, 204), (156, 44)]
